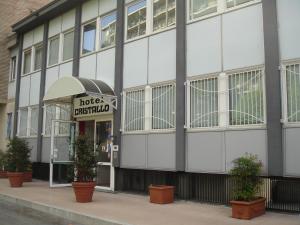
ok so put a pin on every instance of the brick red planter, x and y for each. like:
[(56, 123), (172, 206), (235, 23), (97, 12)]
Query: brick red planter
[(3, 174), (27, 177), (248, 210), (15, 179), (84, 191), (161, 194)]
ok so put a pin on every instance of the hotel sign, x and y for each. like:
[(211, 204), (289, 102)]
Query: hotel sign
[(91, 106)]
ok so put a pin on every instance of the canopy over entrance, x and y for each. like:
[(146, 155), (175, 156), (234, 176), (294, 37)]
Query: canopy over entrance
[(64, 89)]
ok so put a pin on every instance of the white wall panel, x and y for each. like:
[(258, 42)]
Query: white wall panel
[(106, 66), (292, 151), (54, 26), (106, 6), (51, 77), (162, 57), (89, 10), (87, 67), (204, 54), (243, 41), (66, 69), (24, 91), (35, 88), (135, 63), (28, 39), (38, 34), (289, 28), (68, 20)]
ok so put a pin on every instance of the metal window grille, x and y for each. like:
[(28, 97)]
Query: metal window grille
[(134, 110), (293, 92), (163, 107), (64, 114), (246, 98), (23, 122), (204, 103), (33, 120), (50, 115)]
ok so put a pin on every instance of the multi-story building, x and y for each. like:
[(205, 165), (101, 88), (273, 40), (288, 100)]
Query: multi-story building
[(11, 12), (182, 88)]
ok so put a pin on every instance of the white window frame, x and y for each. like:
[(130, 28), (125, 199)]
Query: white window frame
[(34, 47), (59, 50), (152, 18), (30, 49), (63, 45), (29, 120), (13, 69), (100, 30), (97, 21)]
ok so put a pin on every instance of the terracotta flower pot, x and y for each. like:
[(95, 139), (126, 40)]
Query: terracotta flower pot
[(248, 210), (3, 174), (161, 194), (15, 179), (84, 191), (27, 176)]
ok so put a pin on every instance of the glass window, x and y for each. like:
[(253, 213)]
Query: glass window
[(246, 94), (50, 115), (136, 19), (27, 62), (34, 121), (53, 51), (108, 30), (9, 126), (163, 107), (89, 38), (23, 122), (232, 3), (293, 92), (199, 8), (204, 103), (164, 12), (38, 57), (68, 45), (13, 64), (64, 114), (135, 111)]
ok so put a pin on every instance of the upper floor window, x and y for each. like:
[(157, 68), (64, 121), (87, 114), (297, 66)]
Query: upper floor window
[(38, 57), (164, 14), (53, 51), (108, 29), (68, 45), (89, 38), (233, 3), (199, 8), (27, 62), (136, 19), (13, 64)]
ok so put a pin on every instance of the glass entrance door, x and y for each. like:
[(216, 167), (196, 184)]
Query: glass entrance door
[(103, 150)]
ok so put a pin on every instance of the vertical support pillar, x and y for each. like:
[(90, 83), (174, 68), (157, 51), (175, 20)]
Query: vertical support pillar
[(273, 88), (18, 82), (119, 74), (42, 93), (180, 80), (77, 40)]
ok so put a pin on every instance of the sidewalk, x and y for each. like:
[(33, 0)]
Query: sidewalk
[(121, 208)]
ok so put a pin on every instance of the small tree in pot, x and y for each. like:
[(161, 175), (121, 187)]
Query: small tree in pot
[(3, 164), (247, 184), (84, 164), (18, 154)]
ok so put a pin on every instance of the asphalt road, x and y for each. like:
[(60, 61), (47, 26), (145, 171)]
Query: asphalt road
[(11, 214)]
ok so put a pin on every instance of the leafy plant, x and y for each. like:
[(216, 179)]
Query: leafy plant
[(246, 178), (3, 161), (18, 154), (84, 159)]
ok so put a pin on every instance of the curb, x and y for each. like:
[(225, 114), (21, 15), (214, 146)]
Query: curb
[(59, 212)]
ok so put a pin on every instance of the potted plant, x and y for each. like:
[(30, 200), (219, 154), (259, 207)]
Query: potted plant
[(161, 194), (27, 176), (247, 183), (3, 165), (18, 154), (84, 165)]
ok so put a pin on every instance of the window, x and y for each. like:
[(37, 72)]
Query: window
[(204, 103), (89, 38), (233, 3), (38, 57), (199, 8), (293, 92), (134, 110), (23, 117), (108, 30), (50, 115), (64, 114), (136, 19), (246, 98), (163, 107), (53, 51), (27, 62), (68, 45), (164, 12), (13, 63), (34, 120), (9, 126)]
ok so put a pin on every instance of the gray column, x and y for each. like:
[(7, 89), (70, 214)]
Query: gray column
[(42, 93), (180, 79), (77, 37), (273, 88), (18, 82), (119, 73)]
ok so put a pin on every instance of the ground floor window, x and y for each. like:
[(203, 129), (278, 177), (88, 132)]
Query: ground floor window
[(9, 125)]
